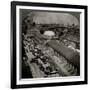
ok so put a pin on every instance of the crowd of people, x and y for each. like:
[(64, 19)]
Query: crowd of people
[(38, 57), (31, 49)]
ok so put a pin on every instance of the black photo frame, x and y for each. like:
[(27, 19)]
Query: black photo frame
[(14, 51)]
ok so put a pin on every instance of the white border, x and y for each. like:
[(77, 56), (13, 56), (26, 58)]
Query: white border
[(57, 79)]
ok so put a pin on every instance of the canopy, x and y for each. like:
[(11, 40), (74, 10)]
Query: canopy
[(49, 33), (40, 17)]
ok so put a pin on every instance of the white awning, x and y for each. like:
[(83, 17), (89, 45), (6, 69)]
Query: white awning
[(49, 33)]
